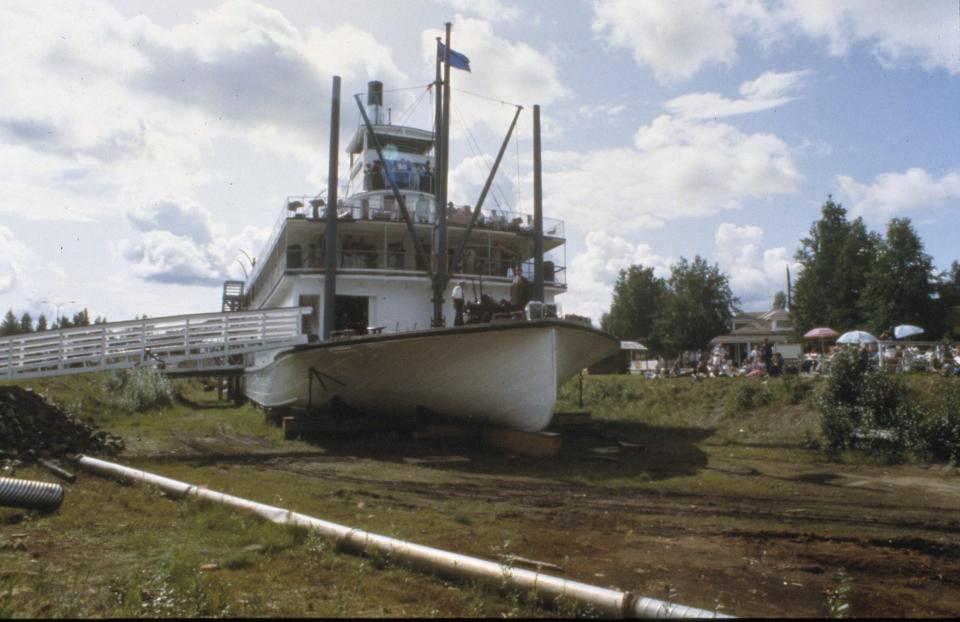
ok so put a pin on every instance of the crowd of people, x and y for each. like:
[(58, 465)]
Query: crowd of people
[(764, 360), (944, 358)]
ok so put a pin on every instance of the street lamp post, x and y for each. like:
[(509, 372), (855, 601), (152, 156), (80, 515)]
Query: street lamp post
[(57, 305)]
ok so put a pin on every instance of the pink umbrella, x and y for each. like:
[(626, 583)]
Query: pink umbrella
[(820, 333)]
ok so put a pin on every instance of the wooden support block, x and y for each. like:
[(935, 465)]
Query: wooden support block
[(535, 444), (576, 417)]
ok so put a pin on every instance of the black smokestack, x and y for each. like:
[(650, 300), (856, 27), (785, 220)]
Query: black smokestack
[(375, 93)]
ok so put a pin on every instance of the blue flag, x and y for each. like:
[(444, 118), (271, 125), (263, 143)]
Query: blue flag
[(457, 59)]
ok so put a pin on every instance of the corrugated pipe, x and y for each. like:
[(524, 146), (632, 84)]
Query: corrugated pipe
[(30, 495), (607, 602)]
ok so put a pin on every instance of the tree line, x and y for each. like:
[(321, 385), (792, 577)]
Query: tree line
[(851, 279), (25, 324), (855, 279), (670, 315)]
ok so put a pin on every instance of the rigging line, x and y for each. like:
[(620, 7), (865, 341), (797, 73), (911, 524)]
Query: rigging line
[(493, 99), (503, 195), (516, 142), (406, 88), (475, 146), (411, 108), (471, 142), (479, 152)]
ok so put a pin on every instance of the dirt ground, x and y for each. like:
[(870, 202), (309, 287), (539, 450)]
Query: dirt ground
[(738, 529), (735, 515)]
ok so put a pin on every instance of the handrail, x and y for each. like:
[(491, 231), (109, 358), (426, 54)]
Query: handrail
[(172, 339), (490, 218)]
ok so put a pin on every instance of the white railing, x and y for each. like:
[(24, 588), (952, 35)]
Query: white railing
[(201, 340)]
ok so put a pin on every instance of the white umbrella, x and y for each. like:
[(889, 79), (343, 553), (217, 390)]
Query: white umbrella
[(856, 336), (906, 330)]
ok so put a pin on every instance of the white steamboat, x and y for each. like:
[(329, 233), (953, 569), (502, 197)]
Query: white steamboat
[(375, 267)]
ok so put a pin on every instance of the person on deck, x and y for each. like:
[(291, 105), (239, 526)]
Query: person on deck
[(458, 303), (519, 289)]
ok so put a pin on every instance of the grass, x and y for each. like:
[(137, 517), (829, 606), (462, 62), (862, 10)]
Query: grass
[(771, 412), (743, 446)]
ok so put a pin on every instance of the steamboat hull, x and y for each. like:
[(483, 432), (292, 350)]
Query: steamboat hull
[(503, 374)]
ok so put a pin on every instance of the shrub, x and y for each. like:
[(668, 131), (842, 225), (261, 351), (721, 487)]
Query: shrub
[(862, 407), (145, 388), (938, 431)]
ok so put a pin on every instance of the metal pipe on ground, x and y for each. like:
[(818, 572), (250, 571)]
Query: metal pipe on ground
[(30, 495), (607, 602)]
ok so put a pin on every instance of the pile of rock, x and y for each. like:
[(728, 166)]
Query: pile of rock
[(32, 428)]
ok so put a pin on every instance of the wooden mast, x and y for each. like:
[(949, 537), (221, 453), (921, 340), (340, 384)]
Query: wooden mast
[(538, 293), (442, 269), (330, 254)]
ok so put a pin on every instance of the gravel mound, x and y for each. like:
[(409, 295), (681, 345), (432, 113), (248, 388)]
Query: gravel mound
[(32, 428)]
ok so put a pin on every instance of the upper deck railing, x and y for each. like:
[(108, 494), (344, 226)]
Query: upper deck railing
[(421, 207)]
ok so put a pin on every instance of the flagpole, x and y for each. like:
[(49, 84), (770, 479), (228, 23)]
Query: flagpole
[(437, 187), (442, 269)]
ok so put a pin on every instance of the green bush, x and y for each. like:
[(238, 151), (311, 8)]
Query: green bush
[(939, 427), (144, 388), (861, 407), (865, 408)]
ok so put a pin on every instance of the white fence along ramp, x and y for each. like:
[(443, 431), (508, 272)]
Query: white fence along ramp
[(180, 343)]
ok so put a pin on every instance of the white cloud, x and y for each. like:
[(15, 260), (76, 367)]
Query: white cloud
[(101, 111), (676, 169), (601, 111), (502, 70), (897, 33), (181, 244), (756, 273), (12, 255), (490, 10), (187, 221), (769, 90), (164, 257), (678, 39), (593, 273), (675, 39), (892, 194), (467, 179)]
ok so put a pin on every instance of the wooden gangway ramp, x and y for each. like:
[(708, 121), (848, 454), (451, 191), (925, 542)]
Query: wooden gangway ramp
[(181, 344)]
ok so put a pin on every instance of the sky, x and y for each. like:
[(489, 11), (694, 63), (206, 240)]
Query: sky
[(146, 147)]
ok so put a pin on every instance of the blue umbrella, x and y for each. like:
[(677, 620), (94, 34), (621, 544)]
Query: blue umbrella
[(906, 330), (856, 336)]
